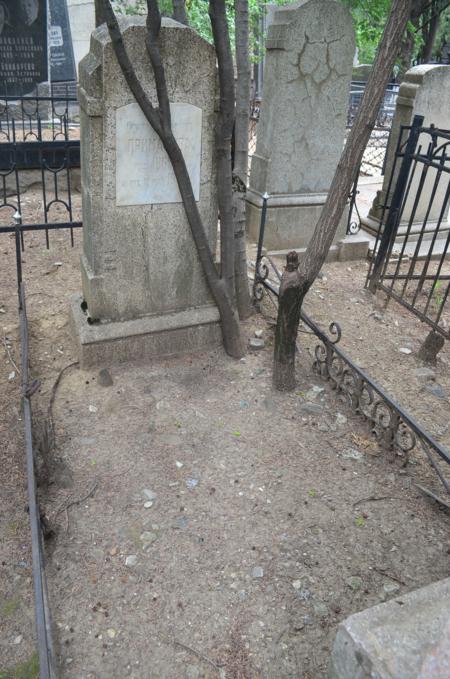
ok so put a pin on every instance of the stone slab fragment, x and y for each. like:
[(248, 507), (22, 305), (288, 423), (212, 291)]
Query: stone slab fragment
[(401, 639), (144, 338)]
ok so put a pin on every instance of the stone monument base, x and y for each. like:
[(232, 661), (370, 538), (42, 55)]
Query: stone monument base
[(372, 225), (290, 219), (144, 338)]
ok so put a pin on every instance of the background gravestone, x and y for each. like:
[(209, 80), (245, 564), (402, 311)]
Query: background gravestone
[(62, 63), (142, 280), (310, 48), (425, 90), (23, 46)]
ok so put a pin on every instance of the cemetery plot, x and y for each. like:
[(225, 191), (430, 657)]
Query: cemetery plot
[(254, 534)]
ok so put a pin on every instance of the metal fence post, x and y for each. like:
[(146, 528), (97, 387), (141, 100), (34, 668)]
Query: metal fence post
[(396, 202)]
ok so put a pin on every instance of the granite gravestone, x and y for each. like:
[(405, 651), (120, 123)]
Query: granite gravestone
[(23, 46), (62, 62), (142, 281), (425, 90), (310, 47)]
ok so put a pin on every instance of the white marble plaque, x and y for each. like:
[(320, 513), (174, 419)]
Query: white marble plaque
[(144, 174)]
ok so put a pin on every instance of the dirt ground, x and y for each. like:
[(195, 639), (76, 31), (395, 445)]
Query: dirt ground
[(205, 525)]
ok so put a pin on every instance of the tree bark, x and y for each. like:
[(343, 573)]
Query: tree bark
[(99, 14), (429, 34), (292, 291), (159, 119), (224, 134), (240, 170), (343, 179), (179, 11)]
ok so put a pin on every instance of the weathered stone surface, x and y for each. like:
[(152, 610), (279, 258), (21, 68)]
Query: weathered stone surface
[(425, 90), (143, 338), (139, 261), (310, 48), (398, 639)]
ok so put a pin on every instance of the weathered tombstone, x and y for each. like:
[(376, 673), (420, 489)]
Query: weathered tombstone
[(143, 285), (310, 47), (62, 63), (82, 23), (425, 91), (23, 46)]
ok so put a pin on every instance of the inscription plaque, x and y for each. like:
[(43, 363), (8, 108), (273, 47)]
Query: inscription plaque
[(144, 174)]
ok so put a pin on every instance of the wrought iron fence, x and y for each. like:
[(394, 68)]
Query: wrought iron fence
[(413, 239), (395, 429), (39, 147), (373, 160)]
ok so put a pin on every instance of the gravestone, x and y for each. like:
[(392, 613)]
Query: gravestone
[(143, 284), (23, 46), (425, 90), (62, 63), (310, 47), (82, 23)]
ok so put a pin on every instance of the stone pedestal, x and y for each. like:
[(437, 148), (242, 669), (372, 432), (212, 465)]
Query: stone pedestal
[(310, 47), (424, 91), (145, 291)]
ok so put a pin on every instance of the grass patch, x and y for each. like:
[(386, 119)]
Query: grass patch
[(24, 670)]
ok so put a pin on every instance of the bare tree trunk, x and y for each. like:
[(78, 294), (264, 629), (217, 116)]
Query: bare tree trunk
[(99, 15), (407, 44), (292, 291), (224, 135), (179, 11), (430, 32), (240, 169), (319, 245), (159, 119)]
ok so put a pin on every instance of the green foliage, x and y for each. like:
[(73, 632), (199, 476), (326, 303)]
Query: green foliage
[(197, 11), (369, 17), (26, 670)]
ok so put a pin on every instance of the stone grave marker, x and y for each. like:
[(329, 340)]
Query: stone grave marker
[(62, 63), (425, 91), (310, 48), (23, 46), (143, 284)]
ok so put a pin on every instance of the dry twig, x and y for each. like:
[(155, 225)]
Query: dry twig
[(11, 360), (198, 654)]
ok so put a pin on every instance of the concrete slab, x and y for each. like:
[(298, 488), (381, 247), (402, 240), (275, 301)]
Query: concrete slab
[(405, 638)]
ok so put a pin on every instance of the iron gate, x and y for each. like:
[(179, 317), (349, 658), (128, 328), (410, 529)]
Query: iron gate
[(413, 240)]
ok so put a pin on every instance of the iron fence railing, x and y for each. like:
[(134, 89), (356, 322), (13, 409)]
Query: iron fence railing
[(395, 429), (413, 238)]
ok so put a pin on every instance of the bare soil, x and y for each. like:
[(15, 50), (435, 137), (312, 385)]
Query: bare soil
[(270, 523)]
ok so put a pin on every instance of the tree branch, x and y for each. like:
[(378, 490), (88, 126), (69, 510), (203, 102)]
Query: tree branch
[(224, 134), (179, 12), (154, 52), (350, 160), (229, 320)]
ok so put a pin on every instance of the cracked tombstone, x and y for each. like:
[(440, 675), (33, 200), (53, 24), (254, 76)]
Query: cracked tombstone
[(308, 67)]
